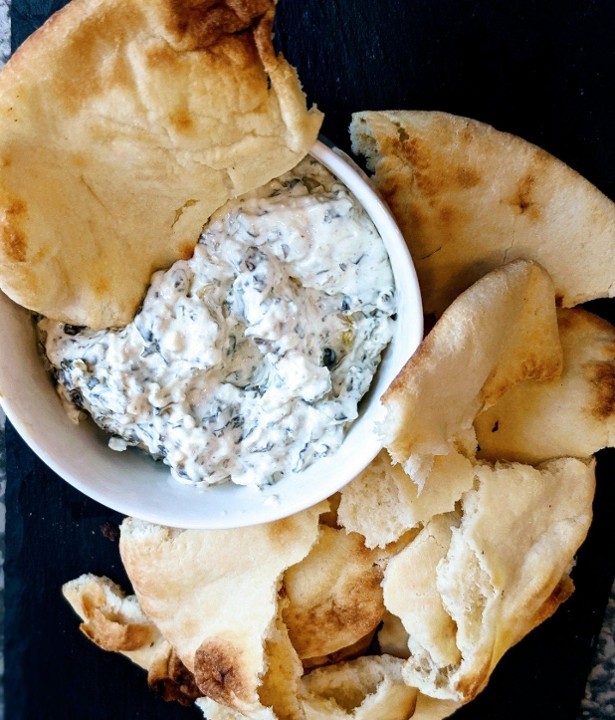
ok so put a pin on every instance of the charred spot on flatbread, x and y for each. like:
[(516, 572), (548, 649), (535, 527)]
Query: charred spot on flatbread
[(171, 680), (218, 673)]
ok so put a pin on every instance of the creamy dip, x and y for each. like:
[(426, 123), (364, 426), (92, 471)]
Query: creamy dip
[(246, 362)]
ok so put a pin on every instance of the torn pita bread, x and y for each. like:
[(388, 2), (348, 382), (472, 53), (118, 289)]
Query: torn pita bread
[(572, 415), (214, 596), (111, 619), (115, 622), (334, 594), (280, 686), (383, 502), (469, 198), (123, 126), (368, 688), (473, 584), (499, 332)]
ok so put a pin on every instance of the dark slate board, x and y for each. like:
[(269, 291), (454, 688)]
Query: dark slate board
[(543, 70)]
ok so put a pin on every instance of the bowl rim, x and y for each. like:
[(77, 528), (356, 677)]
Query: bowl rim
[(264, 504)]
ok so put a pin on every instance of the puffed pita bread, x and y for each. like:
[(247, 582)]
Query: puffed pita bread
[(473, 583), (469, 198), (499, 332), (123, 126), (115, 622), (573, 415), (214, 596), (334, 594)]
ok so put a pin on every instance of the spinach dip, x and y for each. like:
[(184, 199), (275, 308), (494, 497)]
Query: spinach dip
[(246, 362)]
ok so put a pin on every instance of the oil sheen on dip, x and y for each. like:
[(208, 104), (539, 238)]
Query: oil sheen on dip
[(246, 362)]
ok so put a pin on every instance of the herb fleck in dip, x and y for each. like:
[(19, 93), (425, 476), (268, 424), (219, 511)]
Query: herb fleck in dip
[(246, 362)]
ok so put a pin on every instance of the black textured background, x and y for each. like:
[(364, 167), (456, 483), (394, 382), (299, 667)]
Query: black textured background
[(541, 69)]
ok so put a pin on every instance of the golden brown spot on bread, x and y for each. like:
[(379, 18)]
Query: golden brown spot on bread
[(16, 207), (523, 201), (159, 55), (218, 673), (432, 173), (281, 530), (413, 152), (181, 120), (12, 237), (603, 381), (185, 250), (469, 686), (447, 214), (14, 243), (467, 178), (101, 286)]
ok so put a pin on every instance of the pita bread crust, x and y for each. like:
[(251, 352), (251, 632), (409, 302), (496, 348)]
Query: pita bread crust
[(123, 126), (572, 415), (499, 332), (469, 198)]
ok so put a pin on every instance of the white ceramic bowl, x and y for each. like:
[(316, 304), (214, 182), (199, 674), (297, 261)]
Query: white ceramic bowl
[(132, 483)]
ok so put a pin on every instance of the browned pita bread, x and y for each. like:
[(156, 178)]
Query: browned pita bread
[(334, 594), (214, 596), (572, 415), (115, 622), (469, 198), (123, 126)]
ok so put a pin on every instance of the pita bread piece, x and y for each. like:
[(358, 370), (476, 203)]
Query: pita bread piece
[(123, 126), (469, 198), (499, 332), (382, 502), (214, 595), (473, 584), (367, 688), (334, 594), (572, 415), (115, 622)]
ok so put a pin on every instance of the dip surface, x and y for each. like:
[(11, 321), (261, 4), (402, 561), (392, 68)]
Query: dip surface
[(246, 362)]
